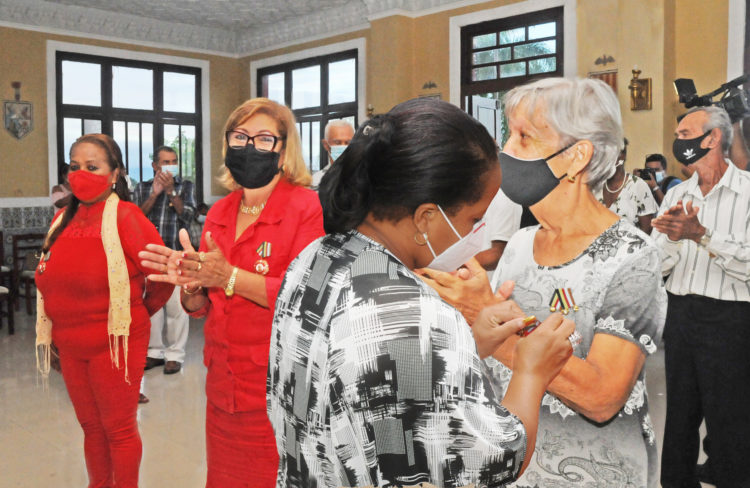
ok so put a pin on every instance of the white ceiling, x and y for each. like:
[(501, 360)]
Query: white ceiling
[(232, 27)]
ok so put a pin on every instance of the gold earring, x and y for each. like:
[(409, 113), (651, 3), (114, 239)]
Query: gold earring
[(416, 235), (571, 179)]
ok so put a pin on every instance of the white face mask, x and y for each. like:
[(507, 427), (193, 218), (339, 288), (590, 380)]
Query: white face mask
[(171, 168), (460, 251), (659, 175), (201, 218)]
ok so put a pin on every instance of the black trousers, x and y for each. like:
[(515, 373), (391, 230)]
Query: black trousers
[(707, 359)]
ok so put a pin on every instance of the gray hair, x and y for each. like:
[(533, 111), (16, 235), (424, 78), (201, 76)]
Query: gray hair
[(717, 117), (336, 123), (577, 109)]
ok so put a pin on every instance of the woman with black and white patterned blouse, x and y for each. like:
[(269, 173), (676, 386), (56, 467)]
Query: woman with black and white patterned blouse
[(373, 379)]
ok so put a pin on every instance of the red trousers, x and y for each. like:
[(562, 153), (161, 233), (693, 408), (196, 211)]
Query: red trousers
[(106, 408), (240, 449)]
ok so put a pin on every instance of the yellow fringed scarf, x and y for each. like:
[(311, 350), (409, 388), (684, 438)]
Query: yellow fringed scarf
[(118, 323)]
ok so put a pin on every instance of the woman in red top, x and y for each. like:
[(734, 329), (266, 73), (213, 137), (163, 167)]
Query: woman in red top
[(75, 277), (249, 238)]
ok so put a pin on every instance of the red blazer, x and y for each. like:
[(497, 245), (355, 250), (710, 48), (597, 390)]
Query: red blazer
[(237, 331)]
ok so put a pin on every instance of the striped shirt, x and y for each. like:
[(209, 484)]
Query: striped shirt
[(721, 270)]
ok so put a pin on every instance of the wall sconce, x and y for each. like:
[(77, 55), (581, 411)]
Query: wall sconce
[(640, 91), (428, 85), (370, 110)]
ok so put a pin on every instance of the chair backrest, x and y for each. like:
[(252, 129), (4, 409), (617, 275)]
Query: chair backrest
[(25, 246)]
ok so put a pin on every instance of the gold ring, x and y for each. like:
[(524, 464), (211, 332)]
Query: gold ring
[(201, 256), (199, 267)]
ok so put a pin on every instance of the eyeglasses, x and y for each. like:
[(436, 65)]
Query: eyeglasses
[(262, 142)]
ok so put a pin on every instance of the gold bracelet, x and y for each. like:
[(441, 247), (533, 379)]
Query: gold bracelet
[(192, 292)]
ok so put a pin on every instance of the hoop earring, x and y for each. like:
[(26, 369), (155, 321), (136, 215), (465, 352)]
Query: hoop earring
[(416, 235)]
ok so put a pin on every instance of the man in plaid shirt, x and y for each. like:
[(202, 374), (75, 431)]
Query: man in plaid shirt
[(169, 203)]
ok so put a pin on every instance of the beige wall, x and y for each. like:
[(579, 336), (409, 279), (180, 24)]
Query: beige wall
[(23, 57), (660, 36)]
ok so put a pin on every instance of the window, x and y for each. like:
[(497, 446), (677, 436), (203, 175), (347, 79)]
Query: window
[(500, 54), (142, 105), (317, 90)]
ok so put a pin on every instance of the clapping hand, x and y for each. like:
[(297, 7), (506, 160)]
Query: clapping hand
[(680, 223), (187, 268)]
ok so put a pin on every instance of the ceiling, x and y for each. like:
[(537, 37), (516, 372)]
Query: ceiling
[(231, 27)]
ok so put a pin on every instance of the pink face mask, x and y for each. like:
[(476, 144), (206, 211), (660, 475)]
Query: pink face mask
[(87, 186)]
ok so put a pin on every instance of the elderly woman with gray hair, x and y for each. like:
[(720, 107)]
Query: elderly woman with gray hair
[(583, 260)]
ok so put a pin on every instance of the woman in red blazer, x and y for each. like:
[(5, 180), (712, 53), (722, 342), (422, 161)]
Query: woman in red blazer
[(249, 238)]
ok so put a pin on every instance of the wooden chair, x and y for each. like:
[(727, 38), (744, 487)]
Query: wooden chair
[(6, 288), (26, 249)]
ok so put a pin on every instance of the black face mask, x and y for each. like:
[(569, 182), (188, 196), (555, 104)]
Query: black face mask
[(528, 181), (688, 151), (251, 168)]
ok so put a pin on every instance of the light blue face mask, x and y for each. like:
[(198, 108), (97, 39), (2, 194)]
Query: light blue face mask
[(336, 151)]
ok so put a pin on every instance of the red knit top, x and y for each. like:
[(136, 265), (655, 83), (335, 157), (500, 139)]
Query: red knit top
[(73, 280)]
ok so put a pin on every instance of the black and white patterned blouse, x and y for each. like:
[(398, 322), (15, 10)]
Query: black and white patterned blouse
[(617, 288), (374, 380)]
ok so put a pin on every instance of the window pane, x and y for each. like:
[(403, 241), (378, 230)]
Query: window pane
[(305, 136), (186, 151), (512, 69), (132, 88), (147, 149), (342, 81), (485, 40), (273, 87), (71, 132), (534, 49), (172, 139), (486, 73), (179, 92), (513, 35), (306, 87), (544, 65), (133, 149), (492, 56), (316, 144), (542, 30), (82, 83), (118, 134), (92, 126)]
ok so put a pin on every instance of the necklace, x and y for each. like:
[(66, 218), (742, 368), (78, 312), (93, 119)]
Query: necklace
[(251, 210), (624, 180)]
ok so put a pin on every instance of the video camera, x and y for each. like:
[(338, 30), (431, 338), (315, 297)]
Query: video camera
[(733, 98)]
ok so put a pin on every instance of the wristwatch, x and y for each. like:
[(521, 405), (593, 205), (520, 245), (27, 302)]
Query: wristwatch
[(706, 239), (229, 289)]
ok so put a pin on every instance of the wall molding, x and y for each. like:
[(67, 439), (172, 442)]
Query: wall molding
[(360, 44), (570, 55), (56, 18)]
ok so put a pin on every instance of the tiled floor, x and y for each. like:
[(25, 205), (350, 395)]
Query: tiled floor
[(41, 444)]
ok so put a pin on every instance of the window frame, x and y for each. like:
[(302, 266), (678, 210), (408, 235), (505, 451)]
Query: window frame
[(324, 112), (467, 33), (107, 113)]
